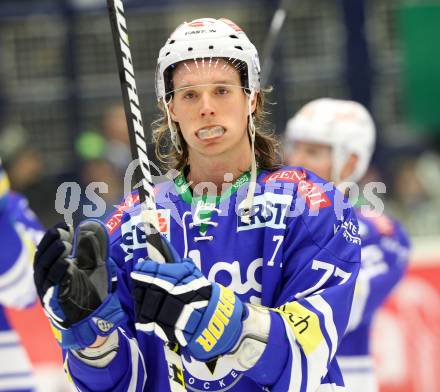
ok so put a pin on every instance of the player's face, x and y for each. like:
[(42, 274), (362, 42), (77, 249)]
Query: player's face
[(211, 107), (312, 156)]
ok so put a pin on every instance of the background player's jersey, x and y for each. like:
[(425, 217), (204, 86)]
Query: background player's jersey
[(296, 256), (385, 248), (20, 231)]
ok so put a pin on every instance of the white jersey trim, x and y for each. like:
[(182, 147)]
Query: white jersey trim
[(135, 355), (296, 367), (15, 382), (349, 362), (17, 288), (331, 388), (8, 337), (322, 306)]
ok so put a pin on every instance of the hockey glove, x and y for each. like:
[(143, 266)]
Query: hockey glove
[(177, 303), (77, 291)]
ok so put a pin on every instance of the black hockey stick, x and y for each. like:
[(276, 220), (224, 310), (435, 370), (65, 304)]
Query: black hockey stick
[(276, 25), (139, 152)]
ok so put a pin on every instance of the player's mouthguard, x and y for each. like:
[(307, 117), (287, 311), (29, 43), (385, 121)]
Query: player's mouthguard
[(211, 132)]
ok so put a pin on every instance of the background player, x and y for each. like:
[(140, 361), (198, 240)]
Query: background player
[(257, 296), (335, 139), (20, 231)]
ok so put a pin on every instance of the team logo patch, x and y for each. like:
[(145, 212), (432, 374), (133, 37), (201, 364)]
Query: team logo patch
[(312, 193), (217, 375), (133, 234)]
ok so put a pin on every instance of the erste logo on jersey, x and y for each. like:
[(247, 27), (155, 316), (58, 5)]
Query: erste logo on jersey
[(164, 223), (312, 193), (134, 238), (269, 209)]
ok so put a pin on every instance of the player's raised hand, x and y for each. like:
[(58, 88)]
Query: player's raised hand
[(75, 281), (177, 303)]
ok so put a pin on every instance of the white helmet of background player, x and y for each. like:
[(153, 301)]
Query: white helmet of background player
[(346, 126), (204, 40)]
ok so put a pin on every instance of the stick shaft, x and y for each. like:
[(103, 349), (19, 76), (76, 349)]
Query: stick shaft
[(138, 146), (136, 131), (272, 39)]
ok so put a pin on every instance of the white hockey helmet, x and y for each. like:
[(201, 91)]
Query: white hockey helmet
[(207, 38), (344, 125)]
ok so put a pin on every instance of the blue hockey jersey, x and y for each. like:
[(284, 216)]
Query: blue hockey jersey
[(384, 258), (299, 255), (20, 231)]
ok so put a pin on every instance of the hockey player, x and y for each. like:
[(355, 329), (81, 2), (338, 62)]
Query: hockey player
[(335, 139), (259, 292), (20, 231)]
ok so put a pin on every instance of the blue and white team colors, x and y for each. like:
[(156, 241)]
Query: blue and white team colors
[(298, 256), (20, 231), (384, 258)]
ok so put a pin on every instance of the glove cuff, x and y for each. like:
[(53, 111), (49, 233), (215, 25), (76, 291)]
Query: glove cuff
[(102, 322), (100, 356), (253, 339)]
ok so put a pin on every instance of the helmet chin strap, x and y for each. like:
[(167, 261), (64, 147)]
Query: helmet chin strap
[(245, 217), (174, 135)]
